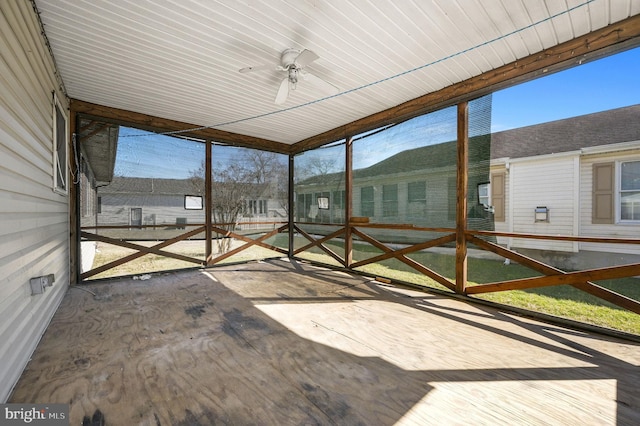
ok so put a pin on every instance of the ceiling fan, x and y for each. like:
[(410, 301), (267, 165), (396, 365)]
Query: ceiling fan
[(292, 61)]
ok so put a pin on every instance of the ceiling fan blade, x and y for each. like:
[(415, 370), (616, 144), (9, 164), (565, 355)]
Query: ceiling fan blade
[(257, 68), (283, 92), (305, 58), (320, 83)]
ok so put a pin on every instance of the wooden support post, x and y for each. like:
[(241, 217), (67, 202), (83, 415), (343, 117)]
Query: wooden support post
[(208, 200), (461, 197), (348, 203), (291, 207)]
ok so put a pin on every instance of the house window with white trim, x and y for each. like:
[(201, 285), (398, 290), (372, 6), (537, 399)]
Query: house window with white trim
[(59, 148), (629, 194)]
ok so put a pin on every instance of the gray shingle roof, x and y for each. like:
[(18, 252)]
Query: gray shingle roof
[(137, 185), (571, 134)]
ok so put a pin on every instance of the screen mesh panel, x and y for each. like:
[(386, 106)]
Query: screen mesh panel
[(565, 155), (250, 198), (406, 173), (319, 184), (148, 189), (319, 197)]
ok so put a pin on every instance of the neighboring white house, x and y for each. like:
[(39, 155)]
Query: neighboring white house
[(547, 168), (34, 181), (585, 171)]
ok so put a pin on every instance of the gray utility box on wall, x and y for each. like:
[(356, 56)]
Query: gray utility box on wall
[(38, 284)]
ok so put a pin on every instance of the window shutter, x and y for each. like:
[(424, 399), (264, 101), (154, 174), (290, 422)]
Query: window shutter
[(497, 196), (603, 193)]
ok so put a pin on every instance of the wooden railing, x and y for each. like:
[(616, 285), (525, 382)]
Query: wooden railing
[(551, 276), (124, 240)]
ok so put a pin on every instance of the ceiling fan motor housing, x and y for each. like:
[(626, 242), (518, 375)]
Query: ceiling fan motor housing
[(288, 58)]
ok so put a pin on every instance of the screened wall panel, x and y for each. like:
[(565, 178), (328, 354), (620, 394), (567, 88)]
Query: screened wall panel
[(565, 164), (249, 199), (319, 185), (563, 186), (406, 173), (402, 173), (143, 201), (141, 188), (320, 201)]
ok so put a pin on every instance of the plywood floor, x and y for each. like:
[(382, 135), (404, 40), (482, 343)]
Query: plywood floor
[(281, 343)]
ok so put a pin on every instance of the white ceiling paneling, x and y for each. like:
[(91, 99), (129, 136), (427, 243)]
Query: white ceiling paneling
[(179, 59)]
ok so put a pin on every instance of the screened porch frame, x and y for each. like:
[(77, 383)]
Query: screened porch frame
[(614, 38)]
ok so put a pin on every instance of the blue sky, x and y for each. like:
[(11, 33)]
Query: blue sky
[(595, 86), (608, 83), (145, 154)]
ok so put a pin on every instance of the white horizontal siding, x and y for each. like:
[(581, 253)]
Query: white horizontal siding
[(616, 230), (166, 208), (34, 220), (550, 183)]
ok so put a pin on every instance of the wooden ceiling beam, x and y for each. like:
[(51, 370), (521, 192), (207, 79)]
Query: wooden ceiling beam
[(613, 38), (157, 124)]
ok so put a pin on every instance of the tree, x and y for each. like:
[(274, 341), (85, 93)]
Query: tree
[(315, 166), (246, 175), (271, 170), (320, 173)]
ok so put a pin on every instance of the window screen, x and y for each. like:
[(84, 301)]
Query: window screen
[(146, 188)]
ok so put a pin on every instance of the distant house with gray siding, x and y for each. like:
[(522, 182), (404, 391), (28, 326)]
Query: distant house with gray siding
[(134, 201)]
